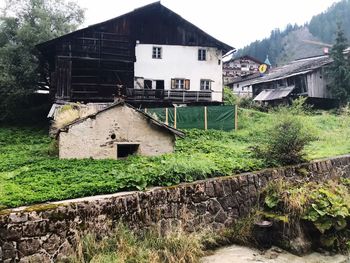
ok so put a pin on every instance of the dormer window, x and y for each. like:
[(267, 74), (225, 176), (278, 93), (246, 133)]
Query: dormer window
[(202, 54), (157, 53)]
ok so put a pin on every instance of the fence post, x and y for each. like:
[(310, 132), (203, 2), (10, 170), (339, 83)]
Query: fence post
[(205, 118), (236, 117), (175, 117), (166, 116)]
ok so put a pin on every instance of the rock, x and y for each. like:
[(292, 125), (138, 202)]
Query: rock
[(37, 258), (18, 218), (214, 206), (28, 247)]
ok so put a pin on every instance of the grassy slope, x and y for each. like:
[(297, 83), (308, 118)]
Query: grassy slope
[(29, 175)]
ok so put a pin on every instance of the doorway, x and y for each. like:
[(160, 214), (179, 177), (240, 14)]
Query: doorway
[(159, 89)]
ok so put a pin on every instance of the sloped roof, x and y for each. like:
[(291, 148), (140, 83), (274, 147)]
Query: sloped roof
[(274, 94), (296, 67), (245, 78), (218, 43), (118, 104), (245, 57)]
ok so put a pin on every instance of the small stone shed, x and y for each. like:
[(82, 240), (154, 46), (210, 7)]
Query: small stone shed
[(116, 132)]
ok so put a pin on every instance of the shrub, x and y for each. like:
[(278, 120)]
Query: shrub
[(229, 97), (285, 140)]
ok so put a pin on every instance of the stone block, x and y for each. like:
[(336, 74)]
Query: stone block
[(220, 217), (11, 233), (18, 217), (214, 206), (209, 189), (37, 258), (35, 229), (52, 244), (8, 251), (28, 247), (226, 184), (219, 191), (235, 184)]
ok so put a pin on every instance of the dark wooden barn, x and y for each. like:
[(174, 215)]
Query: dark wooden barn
[(96, 64)]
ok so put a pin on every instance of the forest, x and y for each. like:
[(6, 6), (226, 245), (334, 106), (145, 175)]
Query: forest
[(288, 44)]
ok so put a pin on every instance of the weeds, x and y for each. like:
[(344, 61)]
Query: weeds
[(149, 246), (29, 174), (326, 207)]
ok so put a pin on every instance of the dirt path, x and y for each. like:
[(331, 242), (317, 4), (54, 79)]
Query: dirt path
[(239, 254)]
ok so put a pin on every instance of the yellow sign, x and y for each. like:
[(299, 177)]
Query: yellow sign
[(262, 68)]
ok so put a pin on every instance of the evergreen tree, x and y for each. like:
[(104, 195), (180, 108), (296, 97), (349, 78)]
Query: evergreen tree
[(339, 70)]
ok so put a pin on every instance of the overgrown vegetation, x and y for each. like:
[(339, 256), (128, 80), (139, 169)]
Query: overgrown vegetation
[(28, 174), (149, 246), (285, 141), (323, 207)]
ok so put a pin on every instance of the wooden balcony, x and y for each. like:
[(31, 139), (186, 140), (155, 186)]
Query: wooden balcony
[(179, 96)]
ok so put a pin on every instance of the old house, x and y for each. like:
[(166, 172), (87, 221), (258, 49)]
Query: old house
[(242, 86), (150, 56), (302, 77), (116, 132), (240, 67)]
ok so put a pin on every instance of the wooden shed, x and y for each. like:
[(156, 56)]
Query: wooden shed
[(116, 132)]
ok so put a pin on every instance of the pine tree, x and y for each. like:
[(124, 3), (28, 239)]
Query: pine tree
[(339, 71)]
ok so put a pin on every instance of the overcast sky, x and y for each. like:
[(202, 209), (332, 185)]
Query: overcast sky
[(235, 22)]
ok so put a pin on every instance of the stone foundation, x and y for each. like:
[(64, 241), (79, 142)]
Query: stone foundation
[(45, 233)]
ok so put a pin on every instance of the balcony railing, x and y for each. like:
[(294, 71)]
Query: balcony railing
[(184, 96)]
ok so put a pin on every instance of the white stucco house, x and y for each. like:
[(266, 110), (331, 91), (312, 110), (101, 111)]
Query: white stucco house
[(148, 56)]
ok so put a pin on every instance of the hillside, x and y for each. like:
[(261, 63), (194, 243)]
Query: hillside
[(289, 44), (29, 174)]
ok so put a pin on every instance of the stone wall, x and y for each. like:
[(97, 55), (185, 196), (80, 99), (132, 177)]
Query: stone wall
[(45, 233)]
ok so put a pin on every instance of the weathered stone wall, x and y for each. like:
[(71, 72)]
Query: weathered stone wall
[(45, 233), (98, 137)]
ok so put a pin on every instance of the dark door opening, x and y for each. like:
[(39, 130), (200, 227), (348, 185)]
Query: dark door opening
[(147, 84), (159, 89), (124, 150)]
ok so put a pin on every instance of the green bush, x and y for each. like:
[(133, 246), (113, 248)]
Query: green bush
[(229, 97), (285, 140), (324, 208)]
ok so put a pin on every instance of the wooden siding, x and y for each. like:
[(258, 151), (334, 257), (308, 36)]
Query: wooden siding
[(317, 84)]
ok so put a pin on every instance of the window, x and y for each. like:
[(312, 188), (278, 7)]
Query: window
[(157, 52), (126, 149), (180, 84), (202, 54), (205, 84)]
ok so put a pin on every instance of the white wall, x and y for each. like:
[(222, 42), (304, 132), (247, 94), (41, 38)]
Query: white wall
[(180, 62), (244, 90)]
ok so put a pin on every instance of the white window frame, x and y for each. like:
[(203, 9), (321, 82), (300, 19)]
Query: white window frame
[(205, 84), (202, 54), (179, 83), (157, 52)]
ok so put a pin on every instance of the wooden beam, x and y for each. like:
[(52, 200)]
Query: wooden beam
[(236, 117), (205, 118)]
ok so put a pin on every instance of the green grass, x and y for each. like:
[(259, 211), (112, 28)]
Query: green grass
[(148, 246), (28, 174)]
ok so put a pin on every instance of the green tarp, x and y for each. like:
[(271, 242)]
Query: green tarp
[(218, 117)]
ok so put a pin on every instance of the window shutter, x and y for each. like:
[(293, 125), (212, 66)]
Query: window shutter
[(172, 83), (187, 84)]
